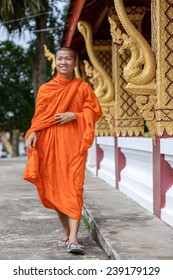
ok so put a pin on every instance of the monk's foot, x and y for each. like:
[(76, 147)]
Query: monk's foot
[(63, 242), (75, 248)]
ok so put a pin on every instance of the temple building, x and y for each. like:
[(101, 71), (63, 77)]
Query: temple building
[(125, 51)]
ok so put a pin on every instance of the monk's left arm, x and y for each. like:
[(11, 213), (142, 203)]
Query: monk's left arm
[(86, 119), (91, 105)]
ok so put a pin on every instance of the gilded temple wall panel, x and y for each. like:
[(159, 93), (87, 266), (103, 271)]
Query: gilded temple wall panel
[(138, 67), (103, 52), (129, 120), (162, 14)]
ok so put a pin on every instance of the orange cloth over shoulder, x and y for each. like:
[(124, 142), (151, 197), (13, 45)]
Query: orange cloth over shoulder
[(57, 164)]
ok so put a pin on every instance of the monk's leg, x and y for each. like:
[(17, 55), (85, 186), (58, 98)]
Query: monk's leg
[(74, 227), (65, 224)]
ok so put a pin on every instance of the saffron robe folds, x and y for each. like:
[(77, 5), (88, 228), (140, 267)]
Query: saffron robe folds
[(57, 164)]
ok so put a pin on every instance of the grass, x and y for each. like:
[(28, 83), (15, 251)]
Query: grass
[(86, 223)]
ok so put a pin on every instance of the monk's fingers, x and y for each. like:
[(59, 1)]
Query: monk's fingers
[(34, 141), (63, 118), (28, 146), (59, 122), (59, 118), (30, 143)]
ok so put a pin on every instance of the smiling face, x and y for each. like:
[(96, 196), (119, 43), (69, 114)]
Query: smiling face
[(65, 63)]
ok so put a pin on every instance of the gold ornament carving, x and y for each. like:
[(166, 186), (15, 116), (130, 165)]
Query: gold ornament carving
[(106, 125), (146, 104)]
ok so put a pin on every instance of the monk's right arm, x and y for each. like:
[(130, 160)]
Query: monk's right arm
[(31, 134)]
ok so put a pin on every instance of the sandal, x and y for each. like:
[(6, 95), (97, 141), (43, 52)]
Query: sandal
[(77, 248), (63, 242)]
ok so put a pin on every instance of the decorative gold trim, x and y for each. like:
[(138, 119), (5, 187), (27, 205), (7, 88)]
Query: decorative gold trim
[(106, 125), (162, 11)]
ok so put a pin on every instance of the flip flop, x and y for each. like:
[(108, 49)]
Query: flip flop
[(75, 249), (63, 242)]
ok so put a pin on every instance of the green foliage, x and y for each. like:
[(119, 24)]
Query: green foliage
[(15, 14), (20, 70), (16, 95), (19, 15)]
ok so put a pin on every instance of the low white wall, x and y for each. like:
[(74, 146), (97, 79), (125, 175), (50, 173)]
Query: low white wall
[(91, 159), (166, 148), (136, 179), (107, 165)]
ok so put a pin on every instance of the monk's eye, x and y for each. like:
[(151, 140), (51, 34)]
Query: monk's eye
[(64, 58)]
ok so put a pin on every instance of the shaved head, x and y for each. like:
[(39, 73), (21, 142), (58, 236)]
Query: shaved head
[(67, 49)]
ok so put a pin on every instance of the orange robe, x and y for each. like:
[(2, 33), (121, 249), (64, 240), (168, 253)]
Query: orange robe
[(57, 164)]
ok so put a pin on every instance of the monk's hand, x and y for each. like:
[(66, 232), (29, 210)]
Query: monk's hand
[(31, 141), (63, 118)]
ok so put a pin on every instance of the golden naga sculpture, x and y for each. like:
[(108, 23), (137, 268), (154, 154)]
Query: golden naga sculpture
[(142, 58), (134, 67), (101, 82), (140, 69), (91, 74), (50, 56), (106, 126), (104, 89)]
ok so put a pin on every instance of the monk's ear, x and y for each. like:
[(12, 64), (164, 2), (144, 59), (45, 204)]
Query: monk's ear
[(76, 62), (54, 72)]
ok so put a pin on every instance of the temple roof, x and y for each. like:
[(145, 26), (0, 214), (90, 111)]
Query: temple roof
[(95, 12)]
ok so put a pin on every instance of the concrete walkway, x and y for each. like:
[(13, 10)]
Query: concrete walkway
[(123, 229), (29, 231)]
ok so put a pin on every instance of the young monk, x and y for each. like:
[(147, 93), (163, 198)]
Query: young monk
[(62, 129)]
